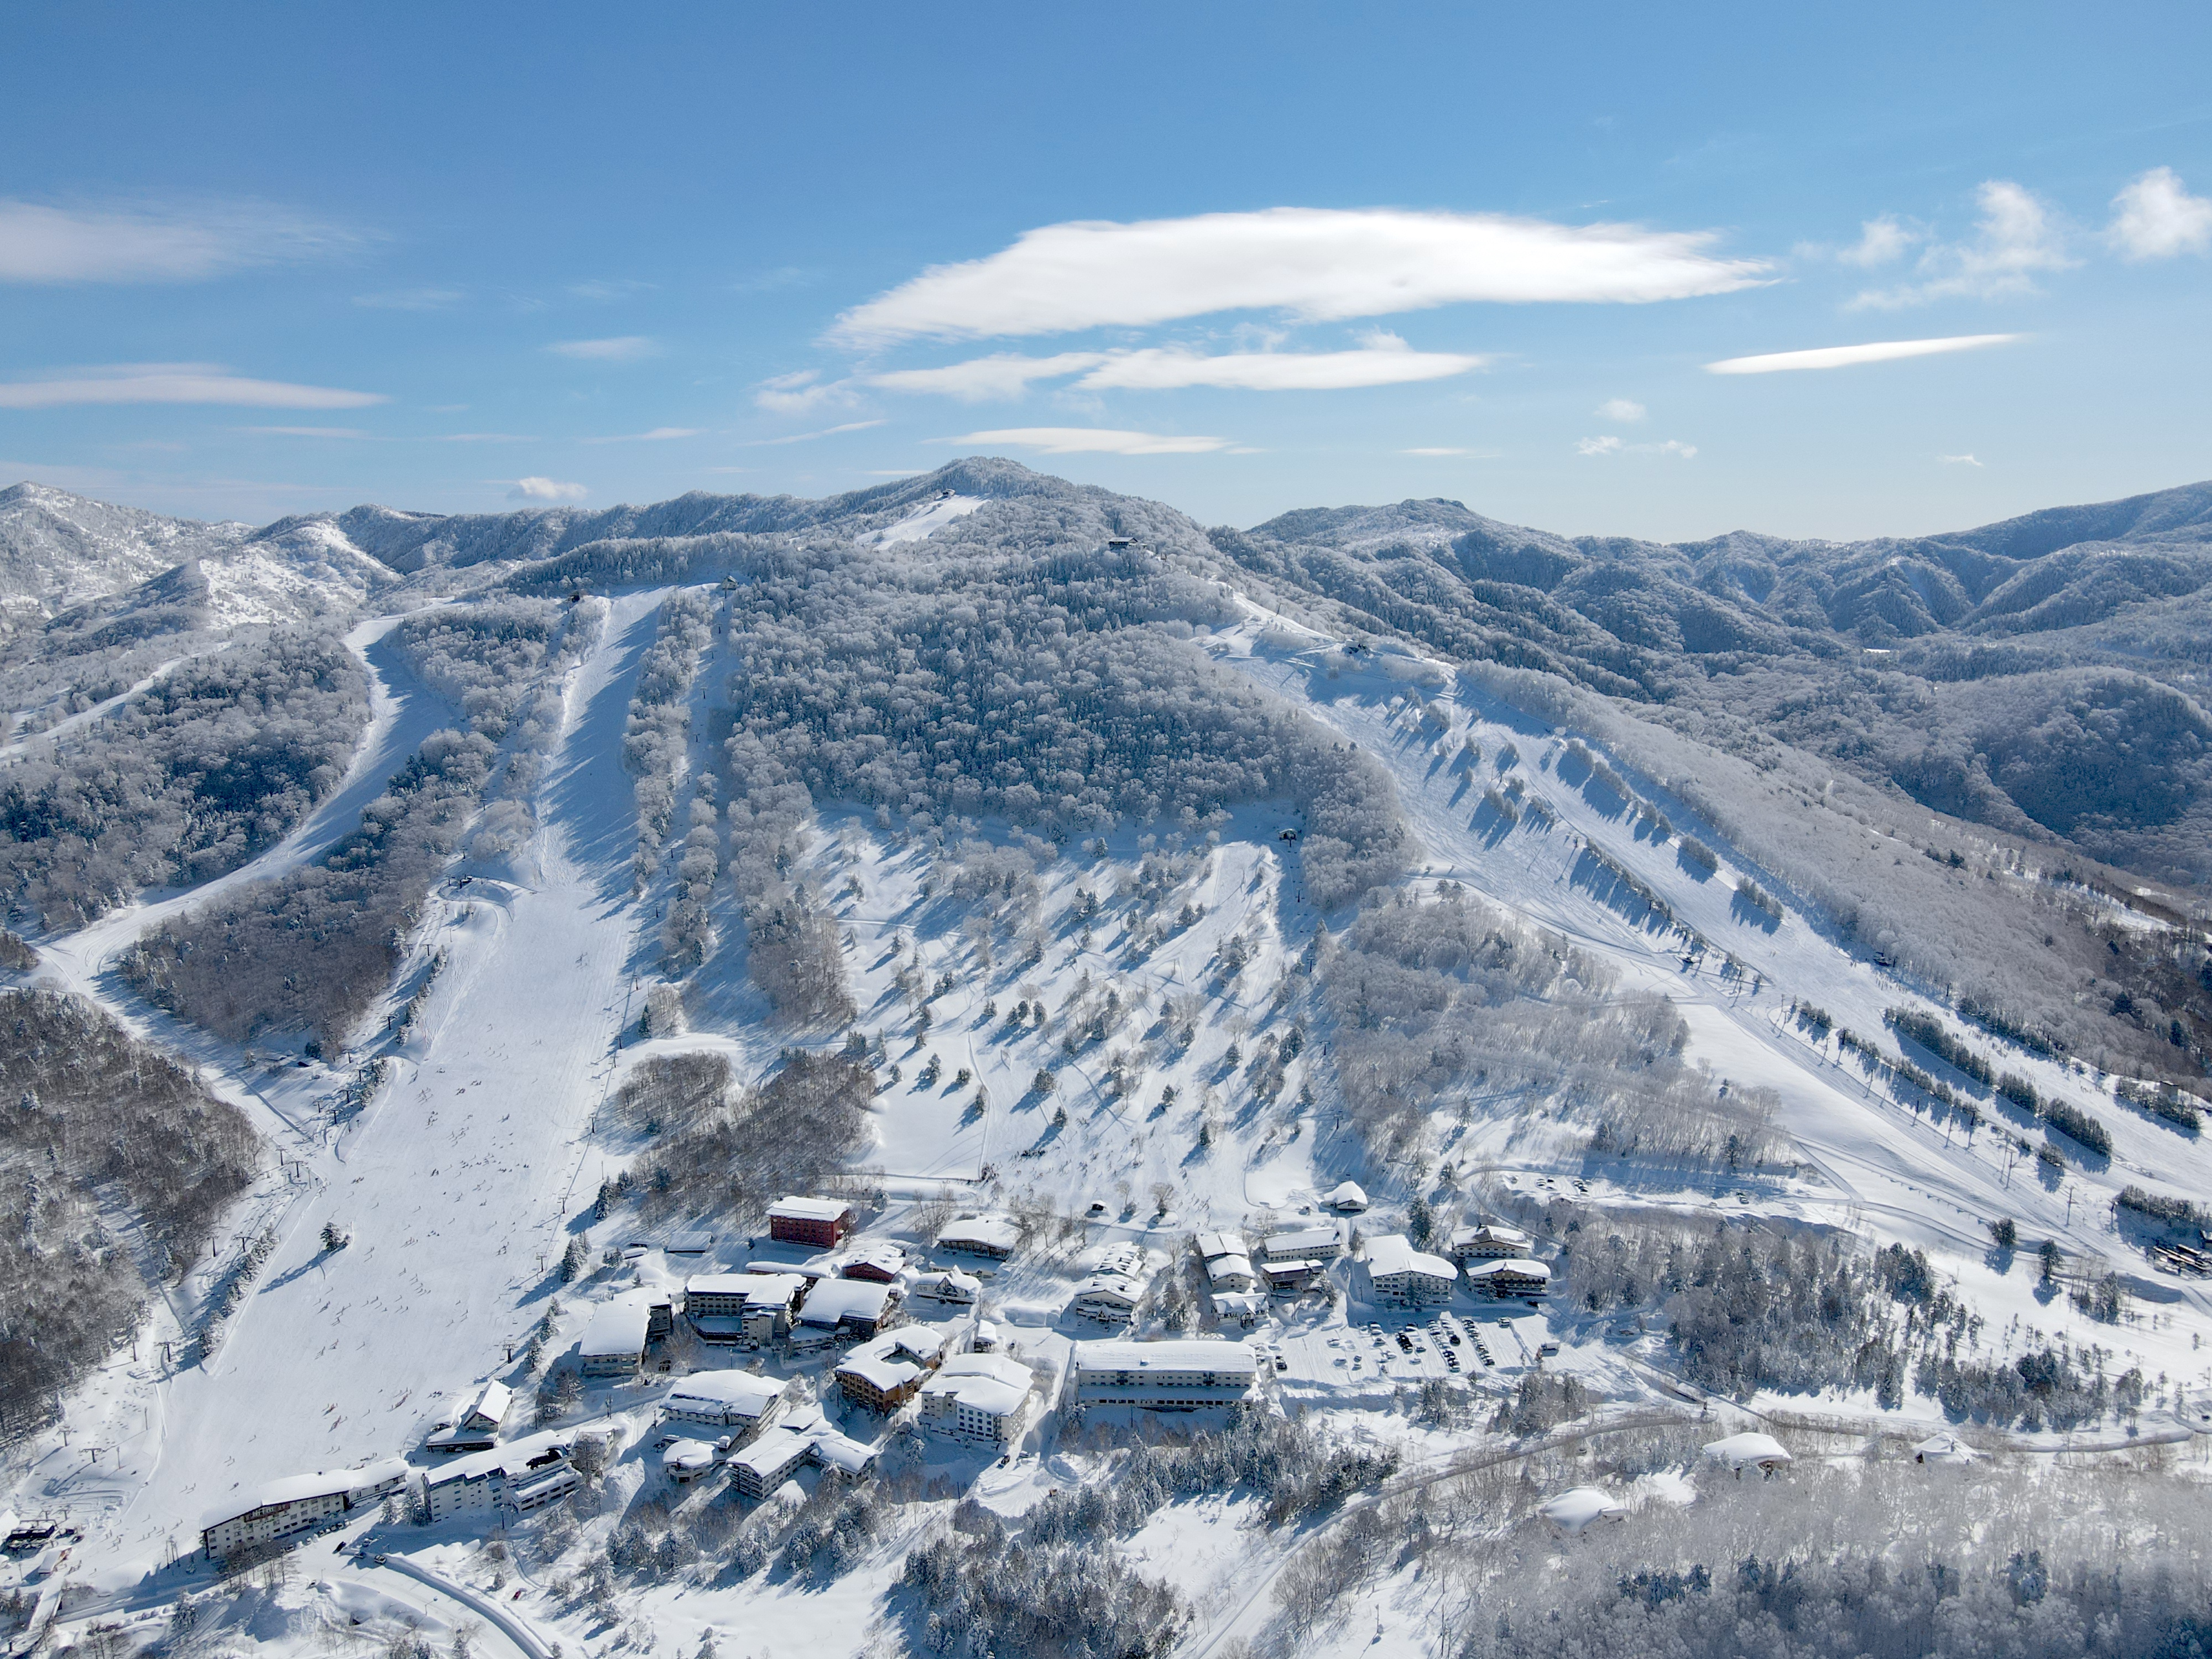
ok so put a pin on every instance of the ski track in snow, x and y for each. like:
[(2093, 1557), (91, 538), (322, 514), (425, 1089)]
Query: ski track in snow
[(452, 1184), (457, 1182)]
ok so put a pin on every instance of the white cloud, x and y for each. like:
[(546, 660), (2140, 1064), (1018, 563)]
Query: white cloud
[(1089, 441), (485, 438), (659, 435), (1848, 356), (1610, 445), (412, 299), (622, 348), (2020, 236), (982, 378), (1958, 460), (2155, 217), (175, 383), (154, 244), (1880, 241), (806, 437), (1316, 263), (619, 288), (545, 490), (802, 391), (1384, 360), (304, 431), (1165, 368), (1625, 410)]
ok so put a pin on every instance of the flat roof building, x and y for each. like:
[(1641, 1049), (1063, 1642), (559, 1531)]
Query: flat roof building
[(821, 1222), (1411, 1277), (613, 1344), (981, 1398), (740, 1401), (1508, 1277), (1161, 1376), (994, 1238)]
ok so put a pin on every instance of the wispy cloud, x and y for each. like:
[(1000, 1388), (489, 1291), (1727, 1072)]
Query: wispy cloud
[(621, 349), (1625, 410), (545, 490), (619, 288), (304, 431), (801, 390), (1880, 240), (412, 299), (152, 242), (1088, 440), (1848, 356), (1958, 460), (1384, 360), (659, 435), (1315, 263), (806, 437), (175, 383), (982, 378), (2019, 237), (1610, 445), (2155, 217)]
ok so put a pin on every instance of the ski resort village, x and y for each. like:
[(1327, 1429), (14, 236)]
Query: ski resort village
[(973, 1068)]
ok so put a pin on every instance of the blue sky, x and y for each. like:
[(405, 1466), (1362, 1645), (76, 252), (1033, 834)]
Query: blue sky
[(1238, 257)]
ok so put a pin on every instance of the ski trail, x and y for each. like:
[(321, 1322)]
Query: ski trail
[(451, 1186)]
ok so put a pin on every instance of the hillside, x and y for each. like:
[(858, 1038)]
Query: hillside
[(553, 892)]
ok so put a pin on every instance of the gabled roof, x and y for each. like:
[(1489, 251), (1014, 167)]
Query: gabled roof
[(1393, 1253), (835, 1299)]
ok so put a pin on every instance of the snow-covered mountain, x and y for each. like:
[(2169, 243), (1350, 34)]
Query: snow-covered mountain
[(57, 550)]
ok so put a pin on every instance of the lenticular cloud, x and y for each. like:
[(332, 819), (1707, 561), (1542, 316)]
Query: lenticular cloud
[(1315, 263)]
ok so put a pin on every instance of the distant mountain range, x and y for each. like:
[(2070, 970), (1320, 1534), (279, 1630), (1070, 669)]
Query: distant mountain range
[(2045, 675)]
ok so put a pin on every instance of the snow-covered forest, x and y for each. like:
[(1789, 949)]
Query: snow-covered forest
[(1557, 1010)]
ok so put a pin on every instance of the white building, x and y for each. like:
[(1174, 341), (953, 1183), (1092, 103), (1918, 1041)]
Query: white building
[(1408, 1277), (1740, 1451), (1160, 1375), (736, 1401), (884, 1374), (776, 1457), (613, 1344), (1347, 1197), (686, 1461), (979, 1398), (1318, 1243), (1580, 1508), (994, 1238), (1508, 1277), (952, 1287), (297, 1503), (524, 1475), (1116, 1286), (856, 1306), (747, 1309), (1488, 1242)]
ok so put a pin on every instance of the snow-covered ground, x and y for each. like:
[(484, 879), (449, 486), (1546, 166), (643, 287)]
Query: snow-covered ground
[(462, 1182)]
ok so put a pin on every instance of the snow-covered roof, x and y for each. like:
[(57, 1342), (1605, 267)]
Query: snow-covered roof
[(1509, 1267), (1393, 1253), (687, 1455), (749, 1394), (1242, 1304), (950, 1280), (1572, 1511), (880, 1372), (1221, 1268), (1198, 1355), (1740, 1449), (1211, 1245), (1346, 1195), (1491, 1232), (516, 1455), (760, 1289), (835, 1299), (618, 1328), (297, 1488), (773, 1452), (1302, 1241), (834, 1451), (1944, 1448), (982, 1382), (989, 1232), (808, 1209), (490, 1404), (688, 1243)]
